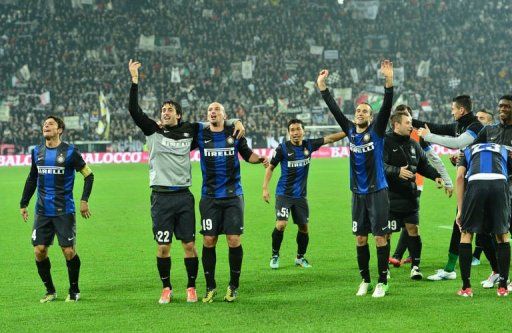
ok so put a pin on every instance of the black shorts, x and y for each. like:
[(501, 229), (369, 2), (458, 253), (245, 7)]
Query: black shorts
[(370, 213), (486, 207), (46, 227), (298, 207), (397, 220), (222, 216), (173, 213)]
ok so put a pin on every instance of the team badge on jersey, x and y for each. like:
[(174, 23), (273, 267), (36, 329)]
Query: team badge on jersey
[(186, 135), (366, 137), (60, 159), (306, 152), (230, 140)]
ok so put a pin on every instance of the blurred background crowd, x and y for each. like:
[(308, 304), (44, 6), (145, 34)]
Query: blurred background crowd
[(259, 58)]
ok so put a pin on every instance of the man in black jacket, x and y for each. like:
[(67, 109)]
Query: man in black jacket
[(457, 135), (403, 158)]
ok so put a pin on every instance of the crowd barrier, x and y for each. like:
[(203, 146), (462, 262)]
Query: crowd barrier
[(142, 157)]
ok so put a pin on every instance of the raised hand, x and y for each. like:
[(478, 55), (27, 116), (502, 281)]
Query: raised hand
[(133, 67), (423, 132), (386, 68), (320, 81)]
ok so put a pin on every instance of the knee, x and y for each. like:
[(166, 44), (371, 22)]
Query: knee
[(41, 252), (361, 240), (190, 249), (69, 252), (412, 230), (381, 241), (281, 225), (303, 228), (164, 250), (233, 240), (209, 241)]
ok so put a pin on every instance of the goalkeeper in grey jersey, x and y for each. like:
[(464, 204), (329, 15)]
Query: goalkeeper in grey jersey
[(172, 203)]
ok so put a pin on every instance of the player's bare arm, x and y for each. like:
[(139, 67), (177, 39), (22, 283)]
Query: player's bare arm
[(257, 159), (266, 180), (460, 183), (331, 138)]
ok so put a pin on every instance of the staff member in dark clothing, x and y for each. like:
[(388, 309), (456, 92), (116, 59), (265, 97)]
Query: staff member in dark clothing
[(457, 135), (403, 158)]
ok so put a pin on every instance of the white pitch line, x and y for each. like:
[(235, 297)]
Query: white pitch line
[(449, 227)]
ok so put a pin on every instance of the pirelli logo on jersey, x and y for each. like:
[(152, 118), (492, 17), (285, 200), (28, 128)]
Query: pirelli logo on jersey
[(50, 170), (299, 163), (214, 152), (171, 143), (362, 148)]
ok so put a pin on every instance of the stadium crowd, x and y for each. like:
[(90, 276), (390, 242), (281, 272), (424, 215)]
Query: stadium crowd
[(75, 49)]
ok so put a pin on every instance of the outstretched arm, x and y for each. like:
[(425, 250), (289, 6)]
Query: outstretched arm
[(386, 68), (147, 125), (334, 137), (341, 119), (444, 129), (459, 142)]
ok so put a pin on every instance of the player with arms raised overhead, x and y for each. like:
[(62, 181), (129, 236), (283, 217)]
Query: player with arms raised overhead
[(370, 203)]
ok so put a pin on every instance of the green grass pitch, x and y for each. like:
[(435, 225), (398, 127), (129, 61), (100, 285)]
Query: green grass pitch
[(120, 285)]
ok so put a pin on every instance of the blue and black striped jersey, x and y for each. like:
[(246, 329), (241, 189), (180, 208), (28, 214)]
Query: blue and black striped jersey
[(219, 162), (366, 149), (55, 171), (294, 166), (485, 161)]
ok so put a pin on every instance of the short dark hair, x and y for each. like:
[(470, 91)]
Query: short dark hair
[(404, 108), (295, 121), (463, 101), (176, 105), (58, 120), (507, 97), (397, 117)]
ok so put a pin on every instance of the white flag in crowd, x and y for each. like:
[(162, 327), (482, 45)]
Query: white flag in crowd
[(354, 75), (333, 78), (25, 73), (175, 75), (147, 42), (423, 69), (247, 69), (331, 55), (454, 82), (344, 93), (316, 50), (399, 75), (45, 98)]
